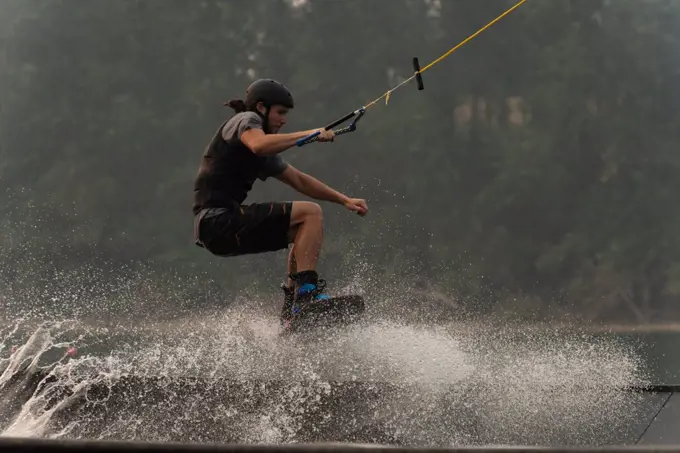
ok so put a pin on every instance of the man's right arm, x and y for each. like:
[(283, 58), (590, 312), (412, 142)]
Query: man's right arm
[(270, 144)]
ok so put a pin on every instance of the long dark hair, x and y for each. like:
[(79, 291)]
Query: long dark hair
[(237, 104)]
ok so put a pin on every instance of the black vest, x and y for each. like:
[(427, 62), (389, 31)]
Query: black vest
[(226, 174)]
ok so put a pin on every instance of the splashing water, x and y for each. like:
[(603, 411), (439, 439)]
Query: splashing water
[(231, 378), (150, 367)]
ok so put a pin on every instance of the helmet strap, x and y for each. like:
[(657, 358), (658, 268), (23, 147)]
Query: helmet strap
[(265, 117)]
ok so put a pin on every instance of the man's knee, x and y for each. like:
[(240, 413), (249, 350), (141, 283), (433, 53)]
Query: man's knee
[(315, 212), (304, 211)]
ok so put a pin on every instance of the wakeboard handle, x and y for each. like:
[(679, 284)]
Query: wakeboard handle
[(351, 128)]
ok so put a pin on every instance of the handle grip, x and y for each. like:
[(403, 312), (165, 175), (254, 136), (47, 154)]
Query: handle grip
[(314, 137), (308, 139)]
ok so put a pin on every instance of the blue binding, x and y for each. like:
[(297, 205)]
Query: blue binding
[(310, 288)]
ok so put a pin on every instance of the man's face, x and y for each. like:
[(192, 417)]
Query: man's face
[(277, 117)]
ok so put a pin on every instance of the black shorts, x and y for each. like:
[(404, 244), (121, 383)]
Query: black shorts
[(243, 230)]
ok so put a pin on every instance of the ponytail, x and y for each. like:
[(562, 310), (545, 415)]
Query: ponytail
[(236, 104)]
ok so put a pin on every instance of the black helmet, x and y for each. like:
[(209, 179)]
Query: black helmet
[(270, 93)]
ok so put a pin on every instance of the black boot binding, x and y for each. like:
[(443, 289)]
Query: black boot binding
[(308, 289)]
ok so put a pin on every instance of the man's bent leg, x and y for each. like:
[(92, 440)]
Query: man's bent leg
[(307, 218), (306, 224)]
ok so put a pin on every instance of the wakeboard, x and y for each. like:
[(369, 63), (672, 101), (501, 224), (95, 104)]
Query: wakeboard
[(331, 312)]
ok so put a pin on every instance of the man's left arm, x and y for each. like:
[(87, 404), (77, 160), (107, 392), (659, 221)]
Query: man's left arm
[(310, 186), (313, 188)]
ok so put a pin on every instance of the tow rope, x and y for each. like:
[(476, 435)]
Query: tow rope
[(417, 75)]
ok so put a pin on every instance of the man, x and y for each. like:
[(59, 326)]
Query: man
[(248, 147)]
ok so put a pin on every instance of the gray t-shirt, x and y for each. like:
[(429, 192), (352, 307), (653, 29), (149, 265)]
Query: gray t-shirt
[(231, 132)]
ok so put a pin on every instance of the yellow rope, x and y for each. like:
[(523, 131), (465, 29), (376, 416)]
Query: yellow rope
[(471, 37)]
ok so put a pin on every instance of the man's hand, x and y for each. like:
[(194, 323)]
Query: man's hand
[(357, 205), (325, 136)]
